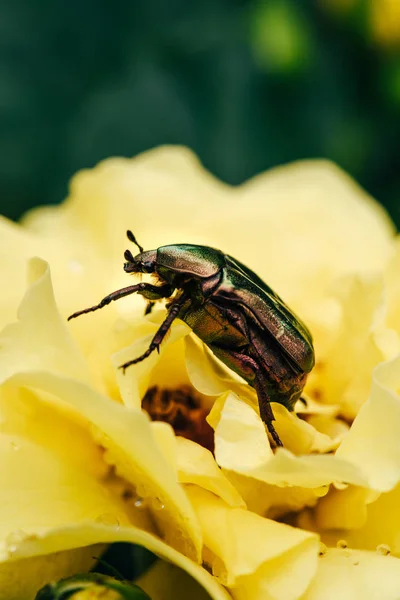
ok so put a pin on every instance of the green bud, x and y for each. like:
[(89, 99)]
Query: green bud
[(91, 586)]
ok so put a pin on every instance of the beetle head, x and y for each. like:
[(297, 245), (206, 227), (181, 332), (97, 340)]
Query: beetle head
[(141, 263), (145, 262)]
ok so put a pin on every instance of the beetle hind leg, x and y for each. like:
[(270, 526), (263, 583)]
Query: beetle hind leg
[(248, 368), (266, 412)]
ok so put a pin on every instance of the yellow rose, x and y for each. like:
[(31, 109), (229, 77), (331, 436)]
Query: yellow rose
[(84, 466)]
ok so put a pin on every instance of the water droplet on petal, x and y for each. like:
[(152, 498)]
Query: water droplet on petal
[(158, 505), (341, 544), (139, 503), (108, 519), (383, 549), (14, 538), (14, 446), (322, 549)]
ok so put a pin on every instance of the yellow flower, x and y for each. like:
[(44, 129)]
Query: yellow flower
[(83, 465)]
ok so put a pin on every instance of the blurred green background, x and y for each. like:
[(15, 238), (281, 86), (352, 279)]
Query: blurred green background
[(246, 84)]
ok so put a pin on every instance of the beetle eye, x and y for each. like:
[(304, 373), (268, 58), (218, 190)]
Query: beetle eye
[(128, 256)]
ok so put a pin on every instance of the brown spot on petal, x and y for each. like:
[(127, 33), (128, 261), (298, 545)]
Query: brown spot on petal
[(316, 394), (319, 366), (180, 408)]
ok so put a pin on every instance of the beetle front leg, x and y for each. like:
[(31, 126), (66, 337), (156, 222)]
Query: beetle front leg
[(160, 333), (145, 289)]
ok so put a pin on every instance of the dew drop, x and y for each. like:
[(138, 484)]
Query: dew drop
[(14, 538), (139, 503), (108, 519), (341, 544), (158, 505), (322, 549), (383, 549), (14, 446)]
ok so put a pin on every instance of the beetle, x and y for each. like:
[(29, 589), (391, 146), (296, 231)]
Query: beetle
[(233, 311)]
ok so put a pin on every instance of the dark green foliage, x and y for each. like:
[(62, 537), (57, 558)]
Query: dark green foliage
[(91, 586), (247, 85)]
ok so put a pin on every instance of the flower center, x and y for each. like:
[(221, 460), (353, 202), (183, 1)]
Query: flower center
[(182, 410)]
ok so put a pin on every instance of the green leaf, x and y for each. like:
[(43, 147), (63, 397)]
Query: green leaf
[(90, 586)]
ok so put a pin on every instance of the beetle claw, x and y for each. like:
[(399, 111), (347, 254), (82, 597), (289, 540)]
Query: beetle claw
[(274, 435)]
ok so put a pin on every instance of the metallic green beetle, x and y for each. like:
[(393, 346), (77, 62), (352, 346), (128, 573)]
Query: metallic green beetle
[(240, 318)]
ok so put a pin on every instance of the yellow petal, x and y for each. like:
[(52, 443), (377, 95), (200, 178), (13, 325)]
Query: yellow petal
[(314, 407), (353, 574), (239, 447), (363, 521), (209, 375), (17, 246), (299, 436), (344, 509), (273, 501), (40, 339), (167, 442), (242, 425), (345, 372), (90, 534), (165, 369), (372, 443), (151, 190), (124, 433), (335, 429), (44, 483), (240, 438), (197, 465), (310, 205), (286, 202), (114, 429), (307, 471), (392, 287), (257, 558)]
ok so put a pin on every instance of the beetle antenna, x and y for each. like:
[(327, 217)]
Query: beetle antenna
[(128, 256), (132, 239)]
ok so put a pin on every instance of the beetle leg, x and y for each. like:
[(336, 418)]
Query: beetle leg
[(264, 404), (157, 291), (160, 333), (238, 361)]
